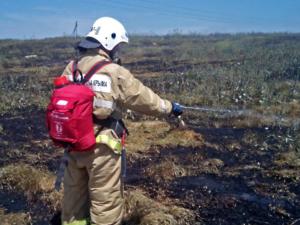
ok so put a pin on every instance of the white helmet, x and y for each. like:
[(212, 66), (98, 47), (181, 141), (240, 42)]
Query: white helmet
[(108, 31)]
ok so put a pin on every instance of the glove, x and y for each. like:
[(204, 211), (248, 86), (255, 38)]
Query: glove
[(176, 109)]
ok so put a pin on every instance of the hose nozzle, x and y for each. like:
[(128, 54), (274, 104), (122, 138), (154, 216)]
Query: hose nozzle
[(181, 123)]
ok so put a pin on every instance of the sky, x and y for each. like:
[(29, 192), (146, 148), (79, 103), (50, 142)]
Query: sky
[(27, 19)]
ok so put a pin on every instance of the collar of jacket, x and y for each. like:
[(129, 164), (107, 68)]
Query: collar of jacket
[(100, 52), (104, 54)]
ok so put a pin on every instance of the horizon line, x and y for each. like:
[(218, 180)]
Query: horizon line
[(175, 33)]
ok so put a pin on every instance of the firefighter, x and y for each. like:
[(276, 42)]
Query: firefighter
[(92, 180)]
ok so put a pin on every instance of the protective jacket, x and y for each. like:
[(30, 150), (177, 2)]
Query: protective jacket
[(116, 89)]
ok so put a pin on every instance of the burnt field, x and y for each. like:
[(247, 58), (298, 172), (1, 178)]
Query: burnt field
[(232, 168), (223, 182)]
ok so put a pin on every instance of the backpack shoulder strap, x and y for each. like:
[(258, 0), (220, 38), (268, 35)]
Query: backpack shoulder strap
[(75, 71), (94, 69), (74, 66)]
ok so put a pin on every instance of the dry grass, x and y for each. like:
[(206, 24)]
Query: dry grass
[(288, 165), (165, 171), (171, 168), (184, 138), (212, 166), (33, 183), (286, 174), (25, 178), (144, 211), (291, 159), (14, 218), (288, 109), (146, 134)]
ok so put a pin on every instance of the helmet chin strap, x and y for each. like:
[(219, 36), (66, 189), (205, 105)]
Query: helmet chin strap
[(114, 55), (117, 61)]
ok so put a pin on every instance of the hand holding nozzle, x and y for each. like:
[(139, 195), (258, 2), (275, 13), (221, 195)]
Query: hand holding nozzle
[(176, 109)]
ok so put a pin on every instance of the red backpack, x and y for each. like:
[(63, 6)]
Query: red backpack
[(70, 112)]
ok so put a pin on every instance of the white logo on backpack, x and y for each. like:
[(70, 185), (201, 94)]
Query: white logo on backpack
[(59, 129), (62, 102)]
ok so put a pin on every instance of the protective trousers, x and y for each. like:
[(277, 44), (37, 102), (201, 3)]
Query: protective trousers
[(92, 188)]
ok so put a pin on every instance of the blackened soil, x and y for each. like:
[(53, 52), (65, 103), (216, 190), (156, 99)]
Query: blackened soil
[(24, 138), (233, 179), (15, 202)]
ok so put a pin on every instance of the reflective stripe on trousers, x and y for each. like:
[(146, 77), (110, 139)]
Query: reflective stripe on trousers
[(78, 222), (115, 145)]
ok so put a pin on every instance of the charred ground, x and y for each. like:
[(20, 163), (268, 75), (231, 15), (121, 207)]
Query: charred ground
[(222, 170)]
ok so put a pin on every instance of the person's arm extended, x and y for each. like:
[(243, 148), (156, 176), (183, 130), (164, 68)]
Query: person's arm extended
[(135, 96)]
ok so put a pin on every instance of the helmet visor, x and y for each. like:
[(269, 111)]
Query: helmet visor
[(89, 43)]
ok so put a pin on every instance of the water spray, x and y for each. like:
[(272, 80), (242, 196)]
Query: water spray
[(231, 113), (206, 109)]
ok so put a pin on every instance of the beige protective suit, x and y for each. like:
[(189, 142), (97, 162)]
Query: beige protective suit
[(92, 180)]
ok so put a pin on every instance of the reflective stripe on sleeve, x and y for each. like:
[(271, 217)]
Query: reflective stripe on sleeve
[(110, 142), (163, 106), (100, 103)]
